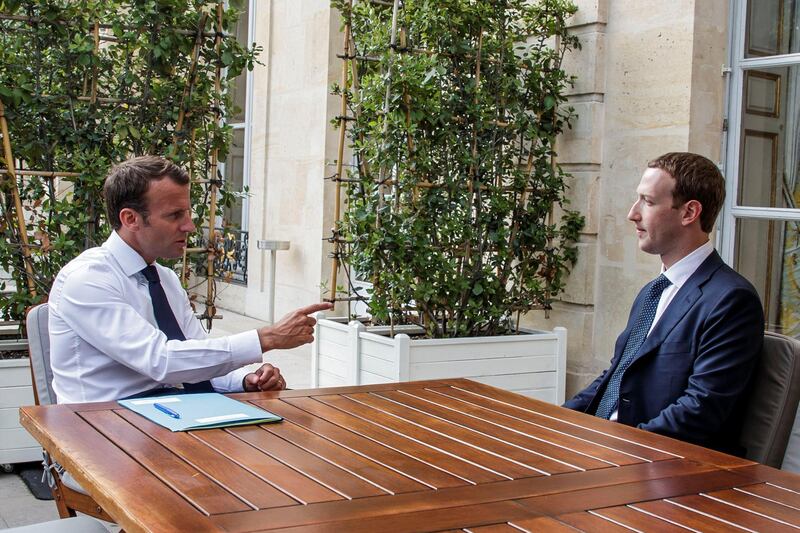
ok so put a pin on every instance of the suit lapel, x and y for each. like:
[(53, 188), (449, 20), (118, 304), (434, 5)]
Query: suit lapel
[(680, 305)]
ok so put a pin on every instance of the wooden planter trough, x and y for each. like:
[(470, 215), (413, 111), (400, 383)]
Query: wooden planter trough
[(16, 445), (533, 364)]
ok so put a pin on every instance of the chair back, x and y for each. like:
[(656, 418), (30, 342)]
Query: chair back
[(770, 413), (791, 459), (39, 347)]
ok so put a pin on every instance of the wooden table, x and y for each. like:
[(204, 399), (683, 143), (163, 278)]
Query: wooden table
[(419, 456)]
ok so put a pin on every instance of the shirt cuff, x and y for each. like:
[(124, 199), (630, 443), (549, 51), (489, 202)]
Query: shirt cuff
[(245, 347), (232, 381)]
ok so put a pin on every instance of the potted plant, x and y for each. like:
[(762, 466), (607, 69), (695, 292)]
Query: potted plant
[(85, 85), (454, 208), (16, 445)]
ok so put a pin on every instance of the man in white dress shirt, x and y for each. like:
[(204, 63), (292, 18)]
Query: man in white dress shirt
[(105, 338)]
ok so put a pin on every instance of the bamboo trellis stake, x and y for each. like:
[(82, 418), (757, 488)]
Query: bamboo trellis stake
[(212, 186), (91, 86), (337, 206), (12, 178)]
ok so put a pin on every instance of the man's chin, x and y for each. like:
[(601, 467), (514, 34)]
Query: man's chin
[(175, 254), (647, 247)]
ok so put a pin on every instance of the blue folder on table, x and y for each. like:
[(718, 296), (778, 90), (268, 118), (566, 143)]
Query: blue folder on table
[(184, 412)]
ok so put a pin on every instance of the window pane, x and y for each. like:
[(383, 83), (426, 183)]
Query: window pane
[(772, 27), (239, 84), (770, 138), (234, 177), (767, 254)]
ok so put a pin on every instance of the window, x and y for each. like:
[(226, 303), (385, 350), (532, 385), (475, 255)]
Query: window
[(235, 168), (761, 224)]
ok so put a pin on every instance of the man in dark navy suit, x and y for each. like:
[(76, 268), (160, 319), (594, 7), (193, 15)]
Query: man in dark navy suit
[(682, 366)]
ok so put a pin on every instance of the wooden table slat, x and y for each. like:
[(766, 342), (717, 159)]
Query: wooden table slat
[(460, 432), (526, 414), (774, 493), (758, 505), (613, 429), (501, 467), (282, 477), (560, 488), (543, 523), (637, 520), (688, 519), (182, 477), (532, 431), (441, 455), (316, 468), (376, 473), (452, 465), (238, 481), (584, 521), (425, 521), (107, 473), (325, 391), (493, 528), (779, 478), (732, 514), (620, 494), (506, 438), (401, 462)]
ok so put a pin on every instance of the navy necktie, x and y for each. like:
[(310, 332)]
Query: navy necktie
[(166, 320), (608, 403)]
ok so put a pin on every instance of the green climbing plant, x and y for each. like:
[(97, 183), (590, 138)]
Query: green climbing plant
[(450, 201), (88, 84)]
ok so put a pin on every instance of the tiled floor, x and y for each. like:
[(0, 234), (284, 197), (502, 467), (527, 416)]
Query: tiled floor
[(18, 507)]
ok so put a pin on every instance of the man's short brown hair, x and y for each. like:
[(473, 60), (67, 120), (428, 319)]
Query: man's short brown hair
[(127, 184), (696, 178)]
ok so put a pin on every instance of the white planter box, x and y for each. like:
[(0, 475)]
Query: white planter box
[(349, 354), (16, 445)]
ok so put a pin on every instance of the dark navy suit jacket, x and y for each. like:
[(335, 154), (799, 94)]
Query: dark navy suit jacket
[(690, 378)]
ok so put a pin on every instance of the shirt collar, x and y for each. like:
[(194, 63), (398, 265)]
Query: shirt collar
[(129, 259), (683, 269)]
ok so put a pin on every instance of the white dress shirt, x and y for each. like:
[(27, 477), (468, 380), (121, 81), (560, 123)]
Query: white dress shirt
[(104, 340), (677, 274)]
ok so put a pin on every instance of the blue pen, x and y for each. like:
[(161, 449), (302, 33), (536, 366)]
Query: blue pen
[(166, 410)]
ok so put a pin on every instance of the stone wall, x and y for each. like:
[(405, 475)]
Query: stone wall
[(649, 82), (292, 146)]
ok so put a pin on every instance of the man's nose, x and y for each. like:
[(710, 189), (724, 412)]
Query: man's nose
[(633, 214), (188, 226)]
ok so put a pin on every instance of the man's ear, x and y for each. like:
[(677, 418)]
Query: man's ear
[(130, 219), (691, 212)]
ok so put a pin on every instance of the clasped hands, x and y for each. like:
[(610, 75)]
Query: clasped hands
[(267, 377)]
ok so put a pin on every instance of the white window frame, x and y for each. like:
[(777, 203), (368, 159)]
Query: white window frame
[(731, 143), (248, 120)]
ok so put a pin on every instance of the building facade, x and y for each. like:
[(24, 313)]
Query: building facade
[(717, 77)]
